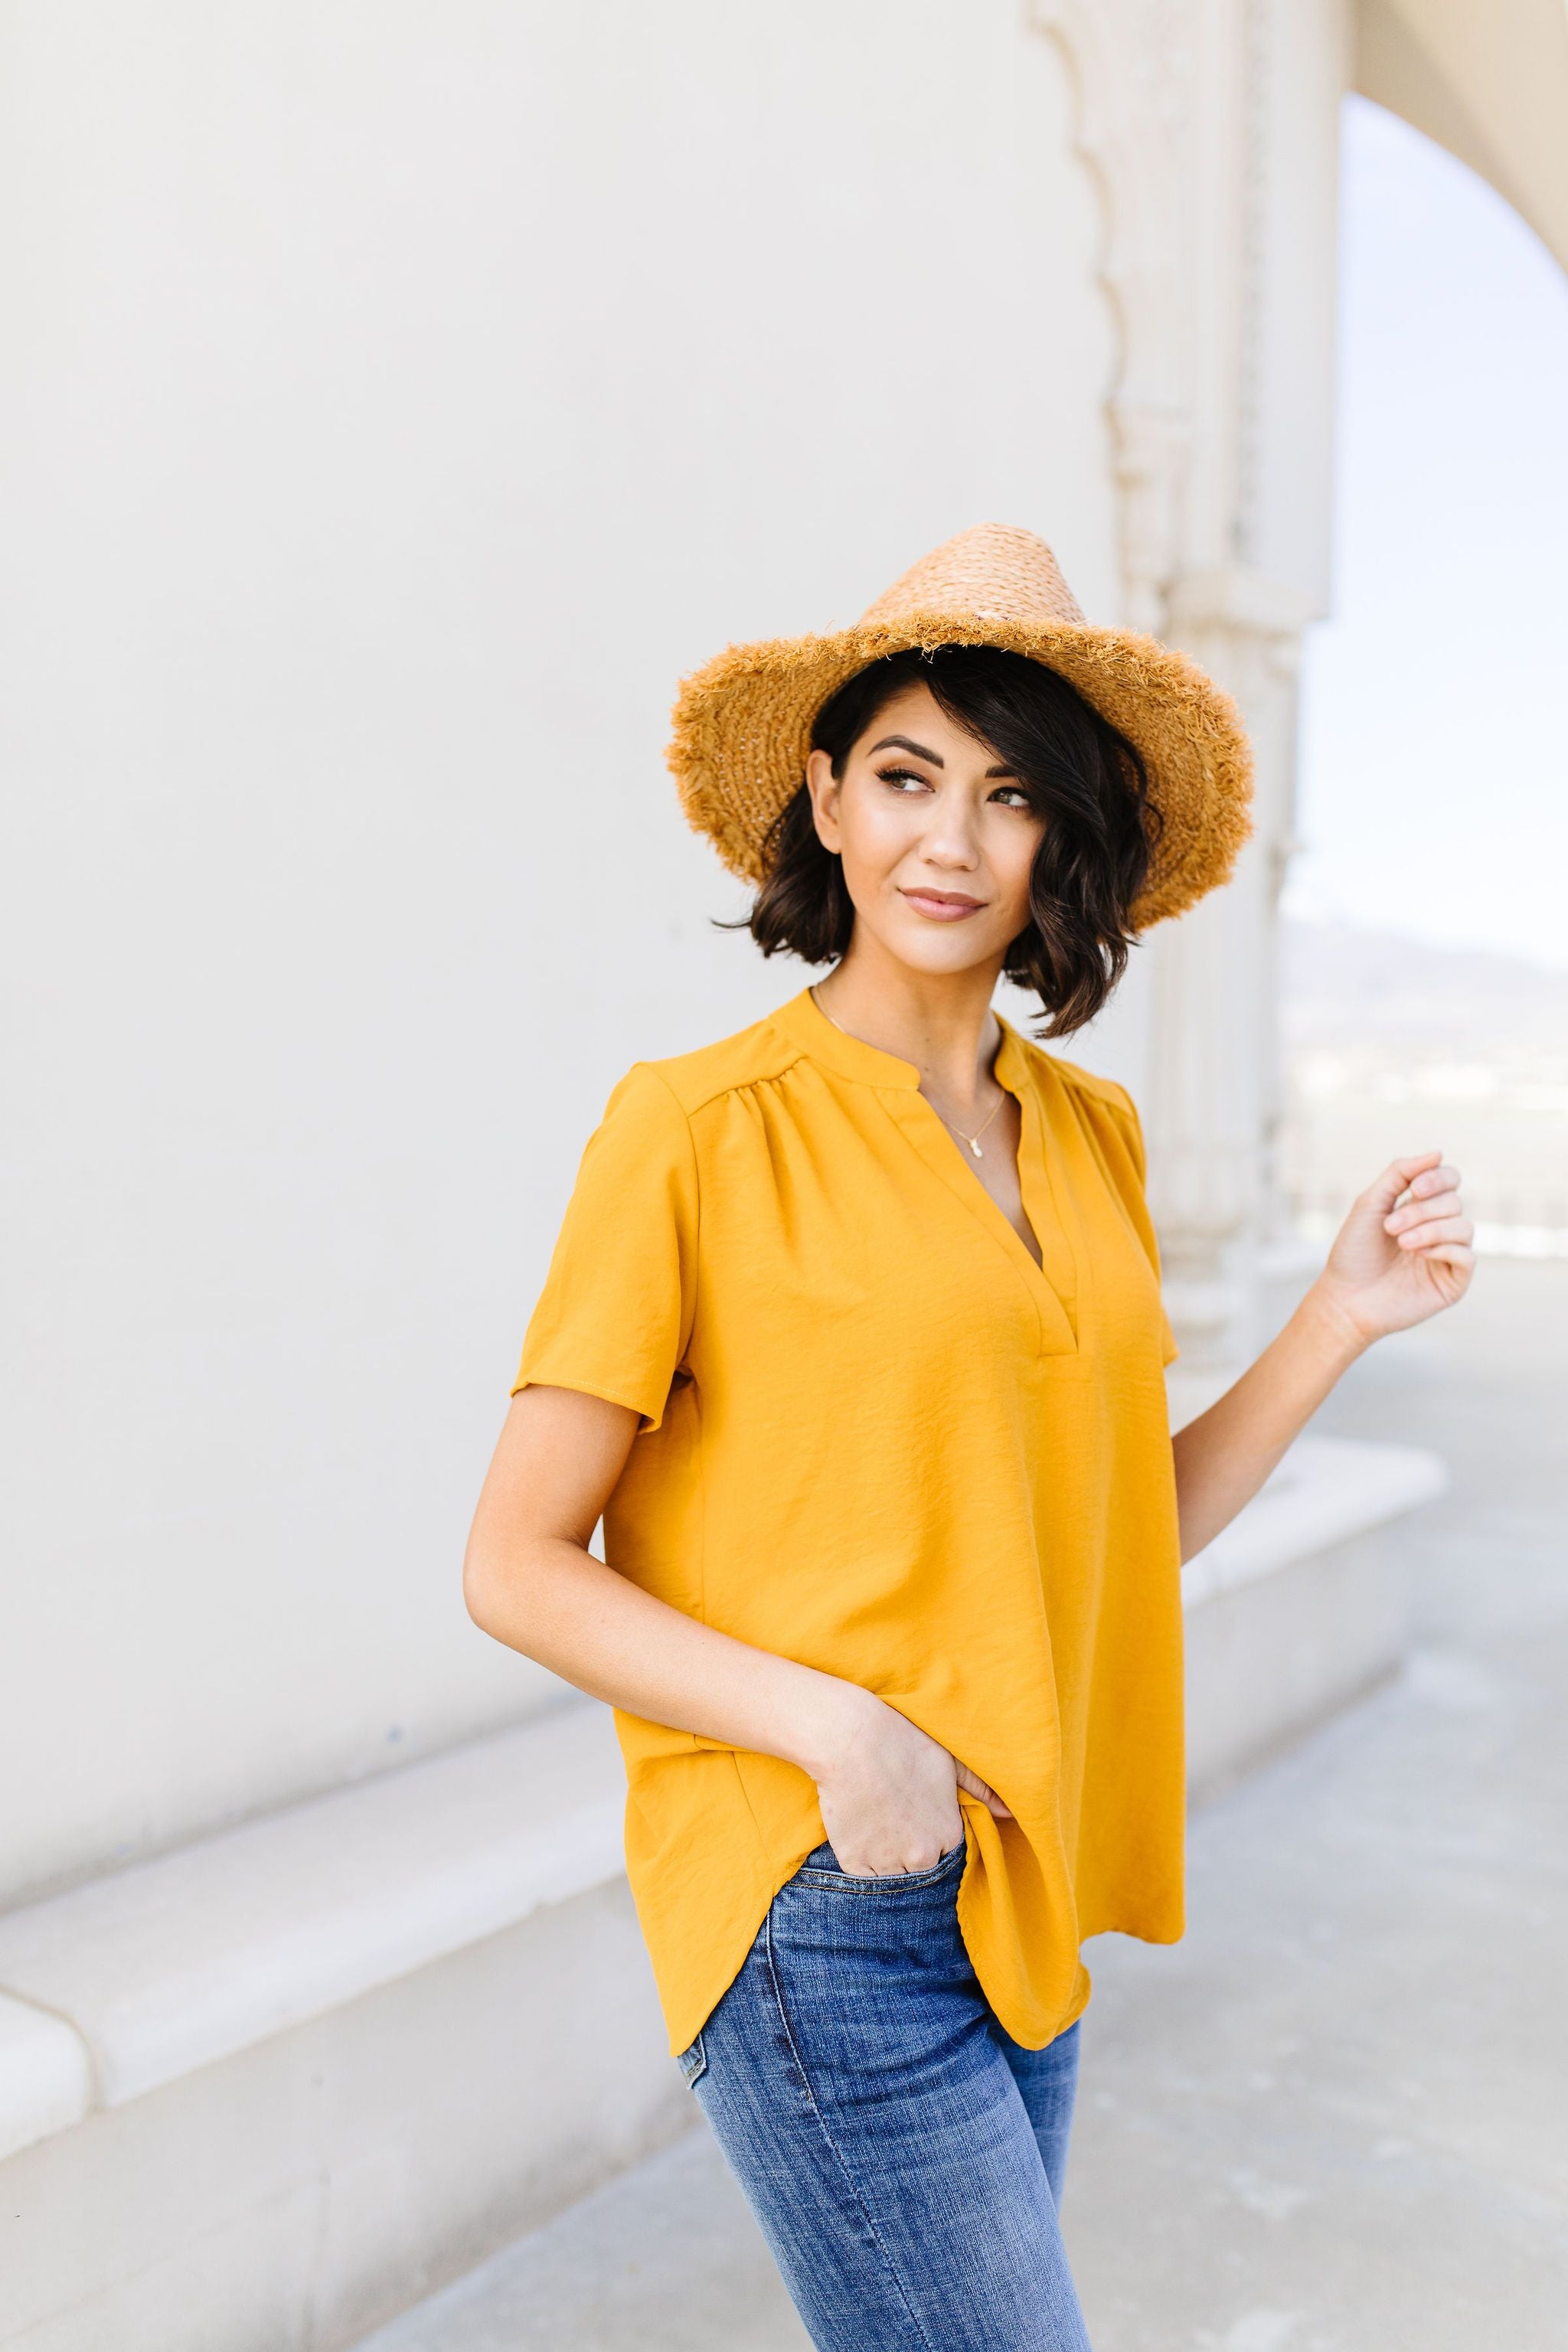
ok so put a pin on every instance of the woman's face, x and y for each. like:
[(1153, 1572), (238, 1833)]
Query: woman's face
[(936, 835)]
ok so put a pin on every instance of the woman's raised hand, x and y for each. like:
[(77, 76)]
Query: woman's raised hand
[(1405, 1252), (889, 1796)]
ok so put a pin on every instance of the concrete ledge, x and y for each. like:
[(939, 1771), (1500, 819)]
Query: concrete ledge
[(114, 1988), (176, 1963), (132, 1981), (272, 2089), (297, 2194), (1301, 1605), (1326, 1490), (46, 2081)]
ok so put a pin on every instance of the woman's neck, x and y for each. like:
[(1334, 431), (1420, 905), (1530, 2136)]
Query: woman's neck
[(942, 1022)]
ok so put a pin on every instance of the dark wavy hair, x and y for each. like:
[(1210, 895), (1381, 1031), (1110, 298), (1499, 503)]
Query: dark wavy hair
[(1082, 775)]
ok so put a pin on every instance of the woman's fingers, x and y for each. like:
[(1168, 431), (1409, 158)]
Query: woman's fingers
[(1401, 1176), (976, 1787), (1430, 1216), (889, 1805), (1442, 1179), (1441, 1229), (1438, 1195), (1442, 1201)]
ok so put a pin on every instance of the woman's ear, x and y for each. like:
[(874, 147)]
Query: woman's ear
[(823, 787)]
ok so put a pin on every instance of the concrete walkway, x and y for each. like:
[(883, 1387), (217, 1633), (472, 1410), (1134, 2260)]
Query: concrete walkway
[(1335, 2119)]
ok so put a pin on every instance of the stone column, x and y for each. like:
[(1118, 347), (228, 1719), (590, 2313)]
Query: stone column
[(1211, 1097)]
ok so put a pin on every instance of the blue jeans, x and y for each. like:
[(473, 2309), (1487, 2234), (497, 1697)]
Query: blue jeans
[(903, 2156)]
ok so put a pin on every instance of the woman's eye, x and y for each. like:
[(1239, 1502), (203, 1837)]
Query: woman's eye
[(900, 776), (1015, 795)]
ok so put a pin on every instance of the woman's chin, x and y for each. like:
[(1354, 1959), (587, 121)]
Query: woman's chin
[(933, 948)]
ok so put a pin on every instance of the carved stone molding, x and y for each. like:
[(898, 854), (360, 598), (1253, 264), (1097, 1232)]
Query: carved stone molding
[(1130, 65), (1170, 119), (1246, 629), (1150, 448), (1211, 1106)]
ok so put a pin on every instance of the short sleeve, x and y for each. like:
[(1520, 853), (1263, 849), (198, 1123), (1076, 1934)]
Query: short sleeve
[(1133, 1126), (615, 1315)]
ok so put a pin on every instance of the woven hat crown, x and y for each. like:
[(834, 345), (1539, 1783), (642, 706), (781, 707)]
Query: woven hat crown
[(743, 723), (992, 572)]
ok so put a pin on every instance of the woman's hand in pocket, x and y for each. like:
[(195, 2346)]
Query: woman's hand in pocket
[(890, 1794)]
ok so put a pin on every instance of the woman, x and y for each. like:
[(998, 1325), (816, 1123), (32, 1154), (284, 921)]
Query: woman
[(853, 1335)]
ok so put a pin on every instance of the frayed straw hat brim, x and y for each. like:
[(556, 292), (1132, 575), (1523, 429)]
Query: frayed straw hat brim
[(742, 728)]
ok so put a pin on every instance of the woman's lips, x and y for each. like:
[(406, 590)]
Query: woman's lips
[(940, 907)]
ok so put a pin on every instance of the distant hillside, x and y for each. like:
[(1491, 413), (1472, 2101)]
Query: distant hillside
[(1392, 1047), (1343, 986)]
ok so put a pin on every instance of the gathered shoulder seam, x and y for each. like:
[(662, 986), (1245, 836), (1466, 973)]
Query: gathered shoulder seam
[(690, 1107)]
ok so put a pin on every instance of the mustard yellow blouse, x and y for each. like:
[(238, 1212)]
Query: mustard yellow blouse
[(878, 1438)]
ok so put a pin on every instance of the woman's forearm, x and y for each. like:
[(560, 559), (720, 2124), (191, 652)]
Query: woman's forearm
[(554, 1602), (1225, 1455), (1405, 1252), (530, 1580), (889, 1794)]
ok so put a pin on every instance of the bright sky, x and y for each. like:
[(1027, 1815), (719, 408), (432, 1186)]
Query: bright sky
[(1434, 794)]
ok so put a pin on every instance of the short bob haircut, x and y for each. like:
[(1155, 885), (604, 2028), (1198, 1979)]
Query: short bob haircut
[(1082, 775)]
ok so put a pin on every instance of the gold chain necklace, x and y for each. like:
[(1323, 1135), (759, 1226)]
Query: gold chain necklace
[(973, 1140)]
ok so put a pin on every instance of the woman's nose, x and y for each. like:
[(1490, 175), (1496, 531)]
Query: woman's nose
[(952, 837)]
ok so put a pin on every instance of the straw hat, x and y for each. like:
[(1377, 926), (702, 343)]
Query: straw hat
[(743, 723)]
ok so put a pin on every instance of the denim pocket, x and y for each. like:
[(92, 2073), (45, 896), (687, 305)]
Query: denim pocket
[(693, 2062), (813, 1873)]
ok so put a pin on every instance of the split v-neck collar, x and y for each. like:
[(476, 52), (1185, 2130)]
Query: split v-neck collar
[(851, 1057), (1056, 1283)]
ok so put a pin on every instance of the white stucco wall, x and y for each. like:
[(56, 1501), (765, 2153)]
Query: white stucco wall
[(397, 400)]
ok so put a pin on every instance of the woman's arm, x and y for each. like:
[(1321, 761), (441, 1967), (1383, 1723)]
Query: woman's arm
[(1402, 1254), (888, 1792)]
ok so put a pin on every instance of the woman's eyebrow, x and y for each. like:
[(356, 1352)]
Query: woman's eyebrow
[(908, 743), (905, 743)]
